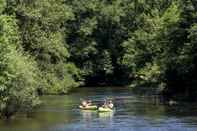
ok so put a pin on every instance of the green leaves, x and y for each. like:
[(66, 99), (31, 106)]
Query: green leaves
[(18, 73), (2, 5), (88, 26), (43, 37), (33, 54), (148, 48), (171, 15)]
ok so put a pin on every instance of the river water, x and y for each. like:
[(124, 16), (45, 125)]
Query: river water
[(132, 113)]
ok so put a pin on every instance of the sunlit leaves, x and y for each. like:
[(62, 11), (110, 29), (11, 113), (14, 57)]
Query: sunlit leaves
[(2, 5), (18, 73)]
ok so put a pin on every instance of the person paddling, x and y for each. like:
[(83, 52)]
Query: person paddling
[(89, 103), (105, 105), (86, 103), (110, 105)]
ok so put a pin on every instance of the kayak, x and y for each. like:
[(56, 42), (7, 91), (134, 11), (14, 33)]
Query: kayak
[(93, 107), (102, 109)]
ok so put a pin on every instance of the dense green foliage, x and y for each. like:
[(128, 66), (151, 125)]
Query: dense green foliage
[(52, 46), (33, 53), (18, 73), (40, 24), (138, 41), (162, 50), (135, 41)]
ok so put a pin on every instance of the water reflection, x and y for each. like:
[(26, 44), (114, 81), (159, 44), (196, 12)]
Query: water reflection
[(87, 117), (106, 115)]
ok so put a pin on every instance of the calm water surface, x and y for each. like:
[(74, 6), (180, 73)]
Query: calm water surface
[(132, 113)]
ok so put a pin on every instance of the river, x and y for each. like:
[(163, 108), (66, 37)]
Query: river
[(132, 113)]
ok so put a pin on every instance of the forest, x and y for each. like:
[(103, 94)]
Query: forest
[(55, 46)]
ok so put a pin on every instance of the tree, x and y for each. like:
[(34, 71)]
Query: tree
[(41, 24), (18, 73)]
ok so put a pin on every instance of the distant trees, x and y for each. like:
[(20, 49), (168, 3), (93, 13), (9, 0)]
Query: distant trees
[(149, 47), (158, 51), (137, 41), (95, 37)]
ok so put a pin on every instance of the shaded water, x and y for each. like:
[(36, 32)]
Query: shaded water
[(132, 113)]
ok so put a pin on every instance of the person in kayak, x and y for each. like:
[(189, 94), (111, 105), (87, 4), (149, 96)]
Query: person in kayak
[(105, 104), (86, 103), (110, 105), (89, 103)]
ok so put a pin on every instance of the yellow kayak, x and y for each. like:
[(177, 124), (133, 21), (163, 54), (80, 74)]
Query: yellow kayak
[(93, 107), (102, 109)]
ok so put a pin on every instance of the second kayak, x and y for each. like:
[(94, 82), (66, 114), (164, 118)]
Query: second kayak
[(102, 109)]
